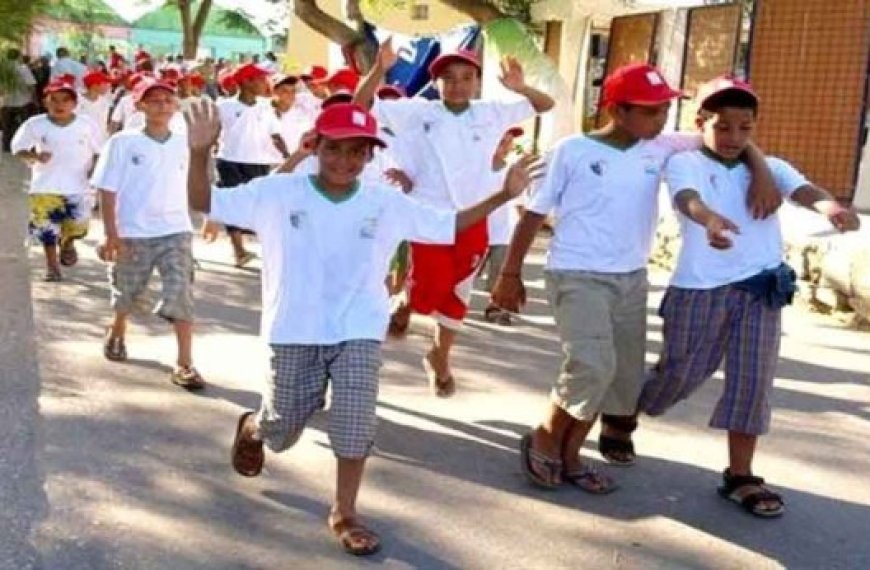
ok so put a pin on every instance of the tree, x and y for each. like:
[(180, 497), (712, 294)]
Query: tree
[(194, 14), (17, 18)]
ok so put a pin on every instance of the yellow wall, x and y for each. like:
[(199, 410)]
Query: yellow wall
[(306, 47)]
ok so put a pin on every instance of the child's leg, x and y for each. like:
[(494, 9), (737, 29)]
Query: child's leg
[(184, 339), (353, 367), (52, 262), (119, 325), (741, 450)]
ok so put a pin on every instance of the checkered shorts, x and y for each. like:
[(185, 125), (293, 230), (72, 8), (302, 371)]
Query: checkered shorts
[(297, 388), (172, 255), (701, 329)]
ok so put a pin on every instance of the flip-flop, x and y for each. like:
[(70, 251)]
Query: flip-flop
[(590, 481), (529, 455), (611, 447), (400, 320), (52, 276), (245, 259), (68, 255), (441, 386), (247, 455), (348, 530)]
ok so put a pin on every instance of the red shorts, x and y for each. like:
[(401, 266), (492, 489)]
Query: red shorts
[(442, 276)]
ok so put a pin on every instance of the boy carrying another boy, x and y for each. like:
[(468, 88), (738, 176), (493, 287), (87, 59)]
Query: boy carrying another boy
[(456, 138), (142, 177), (726, 295), (604, 189), (327, 242), (60, 147)]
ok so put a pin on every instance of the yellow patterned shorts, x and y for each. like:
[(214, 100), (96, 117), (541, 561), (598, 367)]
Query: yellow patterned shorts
[(57, 219)]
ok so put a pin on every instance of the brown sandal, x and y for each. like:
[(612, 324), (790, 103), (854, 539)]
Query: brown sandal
[(247, 452), (355, 538), (68, 255), (400, 320), (114, 348), (441, 386), (188, 378), (591, 481)]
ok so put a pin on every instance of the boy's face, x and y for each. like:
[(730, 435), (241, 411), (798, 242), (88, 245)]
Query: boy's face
[(727, 131), (285, 93), (60, 105), (342, 161), (642, 121), (100, 89), (459, 83), (258, 86), (158, 105)]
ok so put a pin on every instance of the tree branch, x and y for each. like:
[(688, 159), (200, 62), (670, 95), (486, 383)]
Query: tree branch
[(201, 17), (309, 12)]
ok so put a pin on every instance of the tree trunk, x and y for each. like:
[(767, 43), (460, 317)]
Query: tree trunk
[(353, 42), (192, 26)]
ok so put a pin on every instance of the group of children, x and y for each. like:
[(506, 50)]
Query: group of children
[(330, 231)]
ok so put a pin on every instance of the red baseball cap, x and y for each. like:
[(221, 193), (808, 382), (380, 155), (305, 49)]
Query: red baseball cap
[(461, 56), (722, 84), (194, 78), (348, 121), (340, 96), (170, 74), (314, 72), (227, 80), (248, 72), (342, 78), (95, 78), (147, 85), (637, 84), (396, 91), (63, 83)]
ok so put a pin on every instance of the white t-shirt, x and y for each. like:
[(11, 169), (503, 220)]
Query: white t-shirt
[(97, 111), (292, 125), (324, 262), (123, 110), (605, 201), (23, 95), (501, 222), (149, 179), (455, 150), (246, 131), (724, 190), (72, 149)]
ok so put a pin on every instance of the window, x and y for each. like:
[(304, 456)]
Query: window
[(419, 11)]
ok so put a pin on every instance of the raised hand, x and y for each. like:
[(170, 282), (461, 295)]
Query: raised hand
[(386, 57), (512, 75), (717, 226), (307, 142), (203, 125), (844, 219), (528, 168)]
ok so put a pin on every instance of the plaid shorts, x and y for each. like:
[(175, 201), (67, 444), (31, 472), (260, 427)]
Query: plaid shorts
[(56, 219), (297, 388), (172, 255), (703, 327)]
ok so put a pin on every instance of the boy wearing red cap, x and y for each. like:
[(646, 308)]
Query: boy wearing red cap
[(729, 285), (95, 102), (142, 177), (456, 139), (604, 189), (327, 240), (250, 136), (60, 147)]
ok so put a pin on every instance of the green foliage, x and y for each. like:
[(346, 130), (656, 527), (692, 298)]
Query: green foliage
[(16, 17)]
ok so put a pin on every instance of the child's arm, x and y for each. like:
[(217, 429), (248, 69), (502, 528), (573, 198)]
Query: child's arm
[(814, 198), (305, 149), (763, 199), (385, 59), (280, 146), (509, 293), (203, 127), (112, 247), (689, 203), (513, 78), (518, 178)]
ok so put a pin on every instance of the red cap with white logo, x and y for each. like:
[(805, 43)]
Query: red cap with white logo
[(637, 84), (348, 121)]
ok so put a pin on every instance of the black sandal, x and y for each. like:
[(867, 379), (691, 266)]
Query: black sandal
[(618, 452), (114, 348), (731, 491)]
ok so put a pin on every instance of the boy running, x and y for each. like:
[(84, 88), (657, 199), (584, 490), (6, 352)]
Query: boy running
[(604, 190), (726, 295), (60, 147), (142, 177), (327, 241), (95, 102), (457, 137)]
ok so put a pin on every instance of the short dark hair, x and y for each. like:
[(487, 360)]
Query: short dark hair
[(734, 98), (62, 52)]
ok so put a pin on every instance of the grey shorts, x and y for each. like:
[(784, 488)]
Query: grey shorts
[(601, 319), (296, 389), (172, 256)]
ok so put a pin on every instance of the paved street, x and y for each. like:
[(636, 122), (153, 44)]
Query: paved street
[(129, 471)]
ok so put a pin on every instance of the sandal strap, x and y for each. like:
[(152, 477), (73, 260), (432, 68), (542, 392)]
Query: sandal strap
[(607, 444), (734, 482), (624, 424)]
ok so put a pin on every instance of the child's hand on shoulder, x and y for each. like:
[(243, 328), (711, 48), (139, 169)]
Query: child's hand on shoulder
[(718, 227), (42, 157)]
